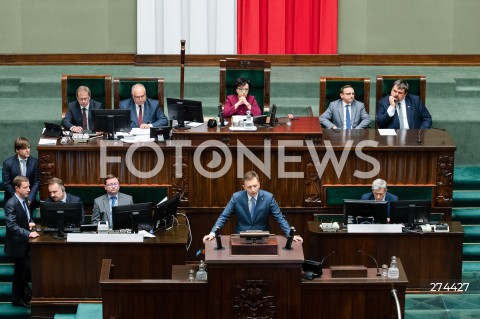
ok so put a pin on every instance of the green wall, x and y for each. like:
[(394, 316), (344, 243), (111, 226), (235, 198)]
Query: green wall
[(409, 27), (365, 26), (67, 26)]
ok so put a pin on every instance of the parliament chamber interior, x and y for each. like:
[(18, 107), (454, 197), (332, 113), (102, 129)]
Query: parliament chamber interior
[(317, 175)]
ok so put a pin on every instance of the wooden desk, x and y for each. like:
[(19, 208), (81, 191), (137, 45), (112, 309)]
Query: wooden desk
[(251, 287), (403, 162), (64, 273), (427, 257), (255, 286), (358, 298)]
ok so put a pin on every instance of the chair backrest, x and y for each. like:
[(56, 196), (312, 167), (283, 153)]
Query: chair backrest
[(256, 71), (417, 84), (122, 89), (100, 86), (330, 90)]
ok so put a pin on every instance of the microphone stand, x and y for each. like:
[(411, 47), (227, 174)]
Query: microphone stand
[(378, 270), (182, 68)]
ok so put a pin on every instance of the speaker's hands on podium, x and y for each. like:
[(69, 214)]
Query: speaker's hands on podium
[(212, 236), (208, 238), (298, 239)]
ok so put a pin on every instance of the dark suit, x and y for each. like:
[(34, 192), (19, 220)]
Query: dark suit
[(152, 113), (265, 205), (334, 115), (74, 116), (417, 114), (71, 199), (11, 169), (388, 197), (102, 204), (16, 245)]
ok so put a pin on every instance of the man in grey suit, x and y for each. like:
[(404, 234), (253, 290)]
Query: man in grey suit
[(346, 112), (103, 204), (253, 207)]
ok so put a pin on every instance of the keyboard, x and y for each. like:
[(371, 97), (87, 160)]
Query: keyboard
[(66, 230)]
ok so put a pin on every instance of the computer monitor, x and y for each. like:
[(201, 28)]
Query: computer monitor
[(165, 213), (410, 212), (111, 121), (161, 133), (60, 215), (184, 110), (134, 217), (364, 211)]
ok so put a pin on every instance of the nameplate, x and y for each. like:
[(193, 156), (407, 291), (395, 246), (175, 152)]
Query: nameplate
[(104, 238), (374, 228)]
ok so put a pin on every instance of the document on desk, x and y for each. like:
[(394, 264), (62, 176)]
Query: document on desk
[(387, 132), (47, 141), (193, 124), (140, 131)]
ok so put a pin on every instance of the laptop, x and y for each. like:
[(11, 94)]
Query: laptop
[(52, 130)]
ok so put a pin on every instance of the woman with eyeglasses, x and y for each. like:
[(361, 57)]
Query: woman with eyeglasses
[(241, 102)]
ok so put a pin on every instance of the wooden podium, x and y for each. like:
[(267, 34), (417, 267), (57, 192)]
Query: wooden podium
[(254, 286)]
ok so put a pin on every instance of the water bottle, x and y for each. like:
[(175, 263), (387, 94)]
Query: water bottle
[(393, 271), (249, 120), (384, 270), (191, 275), (201, 273)]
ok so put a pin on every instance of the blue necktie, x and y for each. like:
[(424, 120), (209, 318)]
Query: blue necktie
[(252, 207), (347, 117), (25, 207)]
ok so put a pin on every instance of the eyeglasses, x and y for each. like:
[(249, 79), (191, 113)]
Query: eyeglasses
[(139, 97), (113, 185), (349, 93), (244, 90), (83, 98)]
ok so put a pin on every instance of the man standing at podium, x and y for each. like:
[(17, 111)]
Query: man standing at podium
[(252, 207)]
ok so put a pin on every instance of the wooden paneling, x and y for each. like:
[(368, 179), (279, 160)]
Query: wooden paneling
[(64, 273), (212, 60), (420, 252)]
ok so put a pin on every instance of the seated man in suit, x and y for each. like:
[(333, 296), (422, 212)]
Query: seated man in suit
[(252, 207), (78, 117), (379, 192), (346, 112), (401, 110), (20, 228), (145, 112), (21, 164), (56, 189), (102, 206)]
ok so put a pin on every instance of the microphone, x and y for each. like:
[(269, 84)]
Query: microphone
[(378, 270), (218, 239), (288, 245), (220, 115), (419, 140), (333, 252)]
